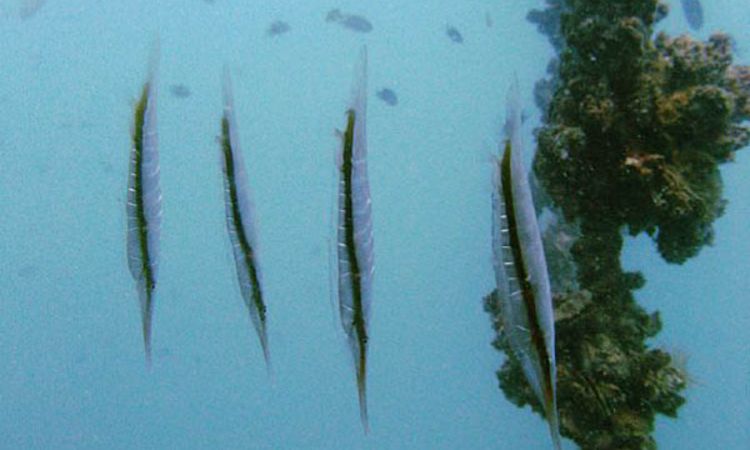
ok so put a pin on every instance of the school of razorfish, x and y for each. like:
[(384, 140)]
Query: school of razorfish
[(522, 282)]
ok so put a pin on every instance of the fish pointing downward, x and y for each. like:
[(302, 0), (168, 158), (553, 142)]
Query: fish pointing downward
[(354, 240), (239, 217), (144, 207), (521, 271)]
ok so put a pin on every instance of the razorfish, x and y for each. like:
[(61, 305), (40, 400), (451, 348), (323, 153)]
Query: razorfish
[(521, 270), (240, 216), (354, 241), (144, 207)]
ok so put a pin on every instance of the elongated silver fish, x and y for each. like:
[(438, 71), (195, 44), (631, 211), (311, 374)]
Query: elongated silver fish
[(144, 207), (240, 216), (521, 271), (354, 232)]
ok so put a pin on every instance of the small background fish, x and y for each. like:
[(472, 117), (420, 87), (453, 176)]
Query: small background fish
[(693, 11), (350, 21), (278, 27), (179, 90), (388, 96), (454, 35)]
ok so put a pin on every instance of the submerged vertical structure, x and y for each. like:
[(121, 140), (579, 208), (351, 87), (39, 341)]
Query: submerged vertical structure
[(240, 218), (144, 202), (354, 235), (521, 276)]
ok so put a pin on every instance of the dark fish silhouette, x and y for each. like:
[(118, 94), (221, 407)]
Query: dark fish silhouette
[(179, 91), (278, 27), (144, 201), (454, 34), (388, 96), (693, 13), (350, 21)]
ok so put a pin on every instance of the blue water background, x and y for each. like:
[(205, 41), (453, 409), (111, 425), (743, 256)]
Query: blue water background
[(72, 372)]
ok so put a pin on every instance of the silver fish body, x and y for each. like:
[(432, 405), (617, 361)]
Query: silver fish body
[(240, 218), (521, 274), (144, 203), (354, 233)]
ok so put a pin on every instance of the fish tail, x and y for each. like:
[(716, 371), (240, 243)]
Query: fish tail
[(154, 57), (359, 86), (266, 352), (146, 314), (362, 391), (553, 420), (363, 414)]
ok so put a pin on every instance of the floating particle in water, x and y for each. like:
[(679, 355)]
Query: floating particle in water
[(350, 21), (179, 91), (454, 35), (278, 27), (388, 96), (488, 20), (28, 271), (693, 13), (163, 353)]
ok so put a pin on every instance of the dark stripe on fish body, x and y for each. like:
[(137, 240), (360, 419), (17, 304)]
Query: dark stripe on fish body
[(140, 209), (244, 243), (537, 337), (358, 321)]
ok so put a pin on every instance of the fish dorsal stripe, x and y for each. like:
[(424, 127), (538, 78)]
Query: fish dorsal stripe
[(240, 217), (144, 268), (143, 206), (237, 221), (349, 230), (526, 291)]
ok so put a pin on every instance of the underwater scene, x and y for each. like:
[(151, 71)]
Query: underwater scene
[(428, 224)]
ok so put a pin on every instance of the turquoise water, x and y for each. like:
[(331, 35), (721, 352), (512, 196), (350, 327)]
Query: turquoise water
[(73, 372)]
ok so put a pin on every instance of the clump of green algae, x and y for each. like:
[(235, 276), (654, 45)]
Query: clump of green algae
[(635, 128)]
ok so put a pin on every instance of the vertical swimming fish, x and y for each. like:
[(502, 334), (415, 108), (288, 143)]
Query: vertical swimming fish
[(521, 270), (240, 216), (354, 232), (144, 207)]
